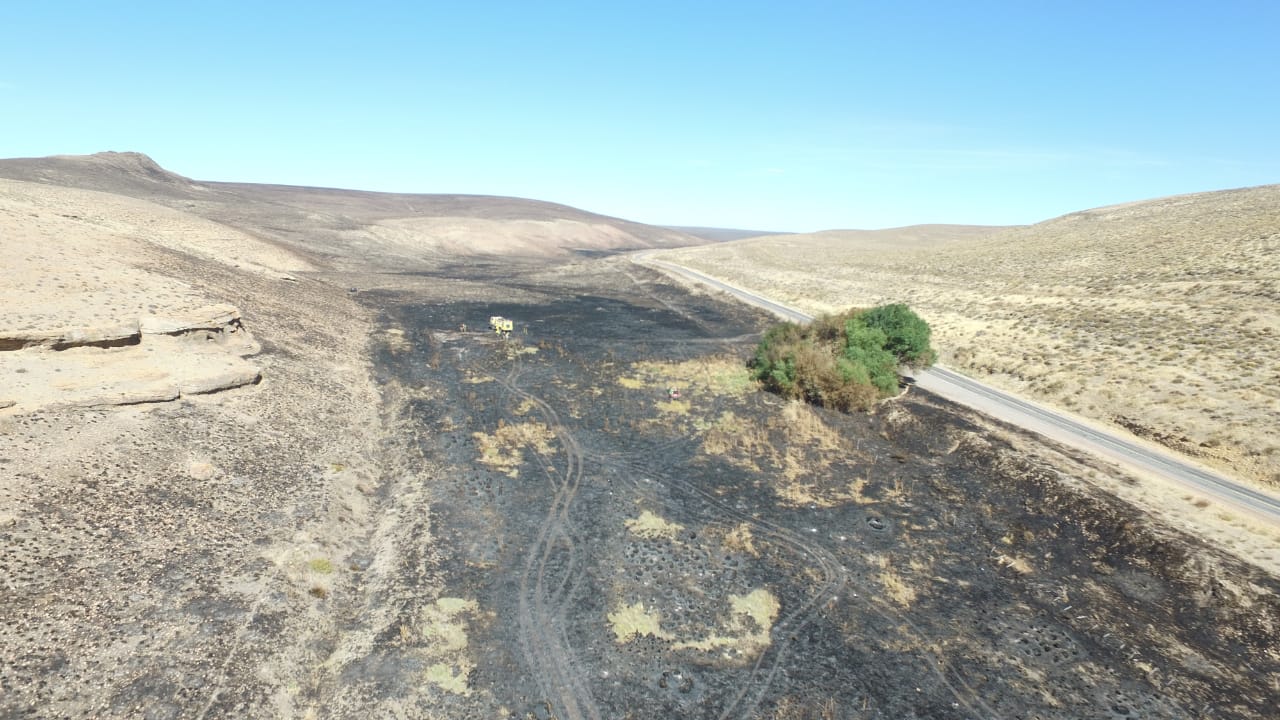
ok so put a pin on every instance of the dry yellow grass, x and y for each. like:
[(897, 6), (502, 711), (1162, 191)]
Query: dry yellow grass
[(741, 539), (1162, 316), (634, 621), (895, 588), (742, 634), (717, 375), (748, 626), (504, 448), (795, 445), (651, 526)]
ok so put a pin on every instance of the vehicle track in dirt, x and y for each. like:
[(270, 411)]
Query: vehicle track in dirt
[(836, 578), (542, 613), (542, 616)]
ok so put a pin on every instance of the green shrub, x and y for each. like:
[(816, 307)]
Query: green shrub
[(774, 361), (846, 361), (907, 334), (866, 347)]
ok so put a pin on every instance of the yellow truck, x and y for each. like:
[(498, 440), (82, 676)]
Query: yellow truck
[(501, 326)]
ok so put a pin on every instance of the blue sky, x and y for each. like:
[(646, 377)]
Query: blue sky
[(766, 115)]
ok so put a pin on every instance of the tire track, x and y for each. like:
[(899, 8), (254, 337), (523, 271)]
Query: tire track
[(544, 598), (543, 634), (836, 577)]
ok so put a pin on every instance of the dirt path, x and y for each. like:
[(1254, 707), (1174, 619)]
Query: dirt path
[(542, 611)]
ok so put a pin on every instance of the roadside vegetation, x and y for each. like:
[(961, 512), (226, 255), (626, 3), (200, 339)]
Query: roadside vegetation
[(846, 361), (1161, 317)]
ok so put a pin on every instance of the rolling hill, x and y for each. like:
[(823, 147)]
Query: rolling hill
[(1160, 316), (333, 222)]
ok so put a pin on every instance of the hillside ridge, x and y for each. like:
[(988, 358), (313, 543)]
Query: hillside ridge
[(330, 221)]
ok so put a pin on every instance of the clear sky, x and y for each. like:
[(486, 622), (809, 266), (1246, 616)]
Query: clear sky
[(799, 115)]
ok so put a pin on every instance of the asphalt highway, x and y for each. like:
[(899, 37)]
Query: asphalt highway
[(1037, 418)]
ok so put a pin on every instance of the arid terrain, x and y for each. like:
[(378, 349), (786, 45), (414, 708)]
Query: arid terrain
[(386, 510), (1160, 317)]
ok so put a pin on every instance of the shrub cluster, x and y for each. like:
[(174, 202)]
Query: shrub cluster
[(846, 361)]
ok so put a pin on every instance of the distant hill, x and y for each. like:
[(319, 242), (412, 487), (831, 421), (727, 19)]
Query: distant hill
[(121, 173), (835, 251), (334, 222), (899, 238), (721, 234)]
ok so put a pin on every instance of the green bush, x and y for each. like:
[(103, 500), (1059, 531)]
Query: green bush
[(774, 361), (907, 335), (865, 347), (846, 361)]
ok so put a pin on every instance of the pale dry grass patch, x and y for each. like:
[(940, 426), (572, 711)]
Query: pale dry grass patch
[(504, 448), (395, 341), (634, 621), (741, 539), (739, 635), (796, 445), (740, 439), (746, 630), (649, 525), (673, 407), (894, 586), (716, 375), (1017, 563)]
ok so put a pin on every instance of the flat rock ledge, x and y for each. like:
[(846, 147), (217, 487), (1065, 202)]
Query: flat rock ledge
[(207, 322), (62, 339), (153, 359)]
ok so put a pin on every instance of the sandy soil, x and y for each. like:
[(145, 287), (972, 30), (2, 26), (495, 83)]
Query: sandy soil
[(144, 547)]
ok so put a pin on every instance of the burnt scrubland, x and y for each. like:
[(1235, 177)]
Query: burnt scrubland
[(612, 552), (534, 528), (411, 517)]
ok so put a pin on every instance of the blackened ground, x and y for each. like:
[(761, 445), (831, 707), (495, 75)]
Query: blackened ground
[(726, 555)]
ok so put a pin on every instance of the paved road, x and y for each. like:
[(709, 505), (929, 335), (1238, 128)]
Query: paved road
[(1037, 418)]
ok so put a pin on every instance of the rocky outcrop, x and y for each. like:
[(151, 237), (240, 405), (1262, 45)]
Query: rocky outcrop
[(219, 322), (156, 358), (213, 323), (61, 339), (212, 318)]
